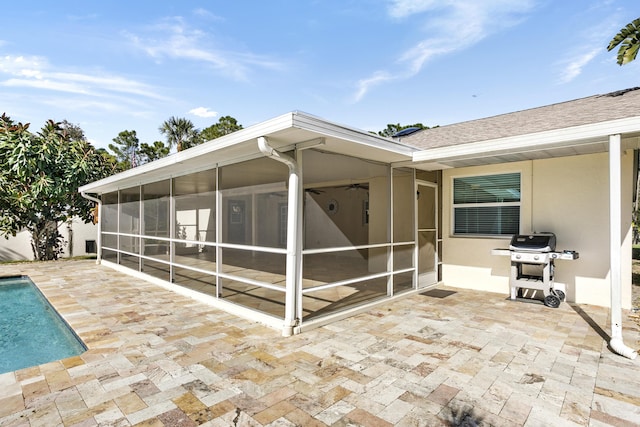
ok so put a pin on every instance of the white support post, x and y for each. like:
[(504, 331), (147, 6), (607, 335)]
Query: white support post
[(293, 233), (141, 227), (391, 229), (615, 248), (99, 237), (218, 222), (99, 223), (293, 252), (172, 232), (299, 237)]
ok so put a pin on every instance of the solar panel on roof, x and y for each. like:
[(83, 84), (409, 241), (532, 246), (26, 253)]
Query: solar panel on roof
[(405, 132)]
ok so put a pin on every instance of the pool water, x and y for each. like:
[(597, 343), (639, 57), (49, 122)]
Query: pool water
[(31, 331)]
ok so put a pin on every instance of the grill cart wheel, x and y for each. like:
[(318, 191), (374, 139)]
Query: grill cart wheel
[(552, 301), (559, 294)]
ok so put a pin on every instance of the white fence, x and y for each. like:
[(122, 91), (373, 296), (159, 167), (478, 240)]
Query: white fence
[(79, 238)]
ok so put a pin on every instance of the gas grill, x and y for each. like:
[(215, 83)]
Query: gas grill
[(533, 263)]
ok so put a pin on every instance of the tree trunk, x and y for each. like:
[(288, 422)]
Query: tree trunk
[(46, 241)]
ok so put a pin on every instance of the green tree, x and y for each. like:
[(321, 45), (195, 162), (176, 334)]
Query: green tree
[(125, 147), (628, 40), (225, 126), (149, 153), (180, 132), (392, 129), (39, 175), (109, 160), (75, 132)]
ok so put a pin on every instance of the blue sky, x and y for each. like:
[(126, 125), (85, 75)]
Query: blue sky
[(110, 66)]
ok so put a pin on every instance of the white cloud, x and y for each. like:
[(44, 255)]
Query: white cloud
[(36, 72), (110, 83), (585, 45), (403, 8), (174, 39), (417, 56), (365, 85), (204, 13), (449, 26), (46, 84), (574, 66), (203, 112), (23, 66)]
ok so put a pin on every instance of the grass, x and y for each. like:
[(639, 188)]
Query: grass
[(74, 258)]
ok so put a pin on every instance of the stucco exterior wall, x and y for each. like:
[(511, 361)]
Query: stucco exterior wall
[(568, 196)]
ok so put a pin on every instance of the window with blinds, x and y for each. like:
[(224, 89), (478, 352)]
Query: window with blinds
[(487, 205)]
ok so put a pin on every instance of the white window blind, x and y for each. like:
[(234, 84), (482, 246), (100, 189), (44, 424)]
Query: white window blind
[(486, 205)]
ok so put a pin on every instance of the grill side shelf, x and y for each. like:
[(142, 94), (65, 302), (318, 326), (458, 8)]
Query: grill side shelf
[(501, 252), (564, 255)]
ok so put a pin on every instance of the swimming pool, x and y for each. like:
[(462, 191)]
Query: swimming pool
[(31, 330)]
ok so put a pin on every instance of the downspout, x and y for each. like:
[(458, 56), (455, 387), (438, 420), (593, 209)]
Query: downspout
[(615, 232), (99, 237), (292, 227)]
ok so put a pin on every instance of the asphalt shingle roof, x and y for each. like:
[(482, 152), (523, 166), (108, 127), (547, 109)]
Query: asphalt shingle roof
[(593, 109)]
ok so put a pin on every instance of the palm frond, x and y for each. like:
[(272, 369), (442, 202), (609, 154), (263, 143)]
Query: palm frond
[(628, 40)]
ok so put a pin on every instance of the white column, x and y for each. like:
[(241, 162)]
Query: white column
[(293, 251), (294, 228), (99, 238), (615, 247), (172, 232), (299, 239)]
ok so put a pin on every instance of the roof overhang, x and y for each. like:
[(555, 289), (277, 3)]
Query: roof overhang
[(286, 132), (571, 141)]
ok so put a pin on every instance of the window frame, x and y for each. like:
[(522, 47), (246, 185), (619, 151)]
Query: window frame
[(454, 205)]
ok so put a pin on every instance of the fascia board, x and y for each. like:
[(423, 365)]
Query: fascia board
[(314, 124), (535, 141)]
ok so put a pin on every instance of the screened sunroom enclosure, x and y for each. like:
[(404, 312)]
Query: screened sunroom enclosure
[(220, 230)]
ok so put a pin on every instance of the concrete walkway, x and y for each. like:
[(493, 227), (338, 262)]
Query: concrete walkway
[(446, 357)]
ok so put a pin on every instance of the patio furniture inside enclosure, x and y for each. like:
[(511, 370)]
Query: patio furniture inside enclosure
[(223, 232)]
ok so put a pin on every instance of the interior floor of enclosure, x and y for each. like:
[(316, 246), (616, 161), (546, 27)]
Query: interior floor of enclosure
[(319, 269)]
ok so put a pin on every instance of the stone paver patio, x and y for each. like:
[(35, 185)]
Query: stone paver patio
[(446, 357)]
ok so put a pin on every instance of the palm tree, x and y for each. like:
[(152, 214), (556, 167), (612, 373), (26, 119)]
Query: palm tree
[(629, 40), (180, 132)]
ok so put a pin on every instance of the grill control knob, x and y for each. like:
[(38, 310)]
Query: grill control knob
[(518, 256), (536, 257)]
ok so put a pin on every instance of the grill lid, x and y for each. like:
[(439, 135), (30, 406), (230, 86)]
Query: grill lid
[(537, 242)]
